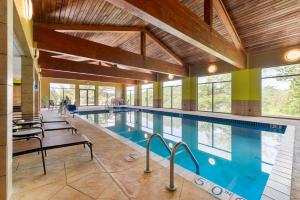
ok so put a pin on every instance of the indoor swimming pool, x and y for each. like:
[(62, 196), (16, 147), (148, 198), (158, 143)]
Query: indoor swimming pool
[(236, 155)]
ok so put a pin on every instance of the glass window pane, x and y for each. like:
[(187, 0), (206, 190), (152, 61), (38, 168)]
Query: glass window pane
[(205, 97), (222, 97), (106, 95), (59, 92), (281, 71), (215, 78), (176, 97), (91, 97), (83, 97), (167, 97), (144, 97), (92, 87), (281, 96), (150, 97)]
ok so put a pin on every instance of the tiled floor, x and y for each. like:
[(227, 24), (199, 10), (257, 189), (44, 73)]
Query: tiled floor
[(72, 175)]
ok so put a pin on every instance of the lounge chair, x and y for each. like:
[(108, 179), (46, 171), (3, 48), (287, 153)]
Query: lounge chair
[(58, 126), (52, 142)]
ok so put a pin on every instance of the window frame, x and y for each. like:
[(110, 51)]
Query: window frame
[(212, 83), (87, 95), (130, 91), (147, 95), (63, 89), (274, 77), (103, 86), (171, 96)]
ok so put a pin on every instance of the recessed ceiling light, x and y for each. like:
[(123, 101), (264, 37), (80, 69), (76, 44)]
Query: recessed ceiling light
[(292, 55), (212, 68), (145, 81), (170, 76)]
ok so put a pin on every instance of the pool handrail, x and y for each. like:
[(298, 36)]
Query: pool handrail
[(148, 170), (172, 186)]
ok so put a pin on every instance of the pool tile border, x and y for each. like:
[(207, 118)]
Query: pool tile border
[(280, 179), (278, 186)]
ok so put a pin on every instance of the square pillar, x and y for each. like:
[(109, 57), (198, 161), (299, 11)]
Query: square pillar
[(157, 94), (96, 95), (6, 97), (77, 95), (189, 93), (28, 81), (246, 92), (138, 95)]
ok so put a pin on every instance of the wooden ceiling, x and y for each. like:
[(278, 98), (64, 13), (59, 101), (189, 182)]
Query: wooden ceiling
[(261, 26)]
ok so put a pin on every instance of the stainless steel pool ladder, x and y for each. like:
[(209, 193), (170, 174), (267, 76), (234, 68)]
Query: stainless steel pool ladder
[(148, 170), (172, 186)]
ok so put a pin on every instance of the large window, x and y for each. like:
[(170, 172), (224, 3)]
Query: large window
[(172, 94), (130, 95), (59, 92), (147, 95), (106, 95), (87, 95), (214, 93), (281, 91)]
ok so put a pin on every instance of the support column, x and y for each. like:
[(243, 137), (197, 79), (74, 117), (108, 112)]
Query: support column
[(246, 92), (96, 95), (137, 96), (27, 90), (77, 95), (157, 94), (6, 97), (189, 93)]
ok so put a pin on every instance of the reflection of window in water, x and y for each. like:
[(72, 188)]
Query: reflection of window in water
[(107, 120), (147, 122), (91, 117), (269, 144), (130, 119), (172, 128), (215, 139)]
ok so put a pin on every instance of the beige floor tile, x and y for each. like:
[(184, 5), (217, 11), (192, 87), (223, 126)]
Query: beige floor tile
[(68, 193), (113, 192), (40, 193), (92, 184), (28, 179), (74, 172)]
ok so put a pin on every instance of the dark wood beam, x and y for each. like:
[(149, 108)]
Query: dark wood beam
[(143, 43), (225, 18), (208, 12), (52, 41), (50, 63), (165, 48), (85, 77), (176, 19), (89, 28)]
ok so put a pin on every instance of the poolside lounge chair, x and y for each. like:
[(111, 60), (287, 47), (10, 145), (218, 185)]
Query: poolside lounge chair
[(59, 126), (26, 145)]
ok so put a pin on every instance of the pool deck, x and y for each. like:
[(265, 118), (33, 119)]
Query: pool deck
[(71, 173)]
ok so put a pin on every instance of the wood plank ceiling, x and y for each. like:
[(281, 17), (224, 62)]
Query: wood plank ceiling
[(261, 25)]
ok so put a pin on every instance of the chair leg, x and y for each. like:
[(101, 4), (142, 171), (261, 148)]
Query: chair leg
[(91, 149), (83, 145), (43, 158)]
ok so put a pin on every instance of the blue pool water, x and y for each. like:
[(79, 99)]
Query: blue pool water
[(233, 154)]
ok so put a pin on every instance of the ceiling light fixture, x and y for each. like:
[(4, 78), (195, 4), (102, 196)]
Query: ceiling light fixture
[(212, 68), (145, 81), (27, 9), (292, 55), (170, 76)]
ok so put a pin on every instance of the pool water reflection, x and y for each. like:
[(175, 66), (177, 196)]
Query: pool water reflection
[(232, 156)]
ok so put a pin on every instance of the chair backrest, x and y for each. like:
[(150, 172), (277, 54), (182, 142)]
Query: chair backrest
[(71, 108)]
